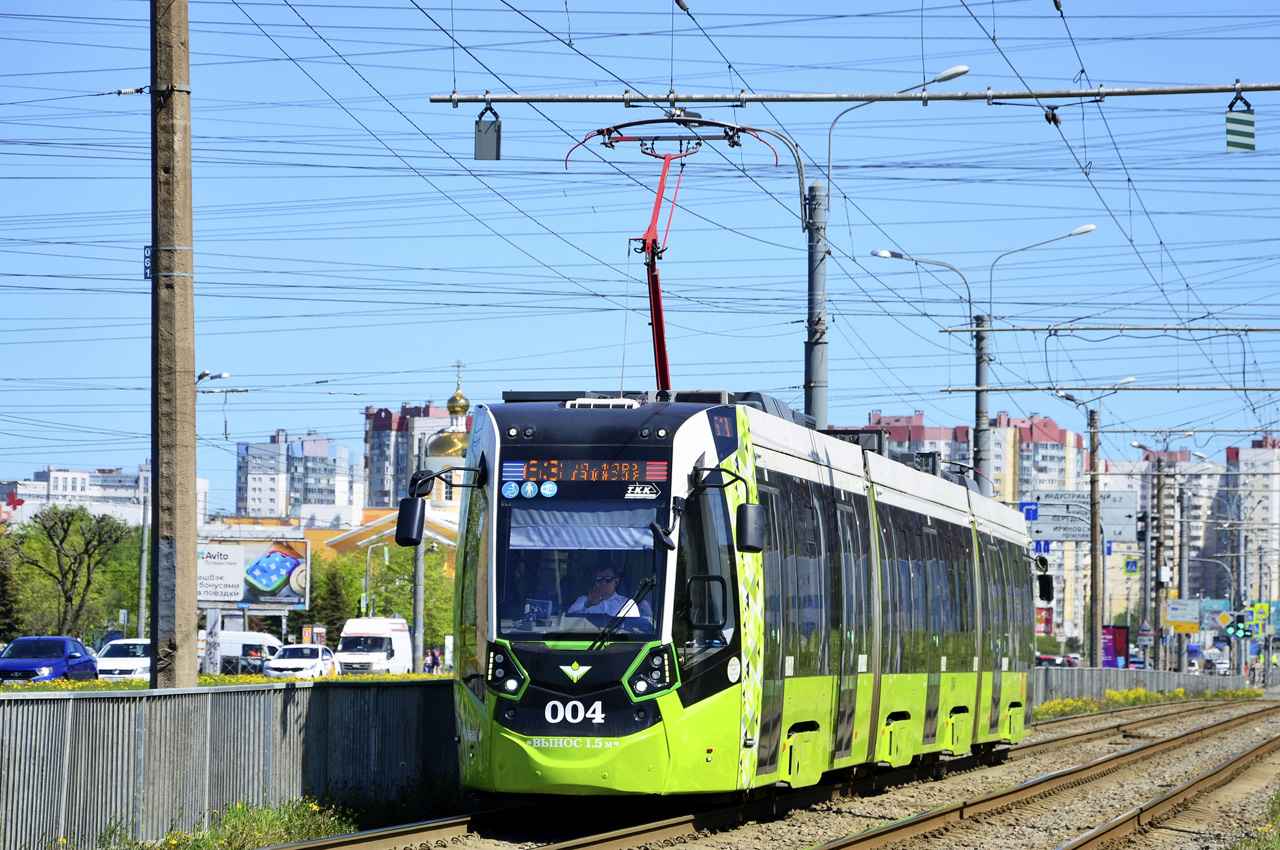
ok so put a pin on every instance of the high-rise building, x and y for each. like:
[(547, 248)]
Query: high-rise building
[(291, 476), (116, 492), (395, 445)]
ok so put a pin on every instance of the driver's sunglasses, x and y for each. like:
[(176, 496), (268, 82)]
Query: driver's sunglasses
[(605, 579)]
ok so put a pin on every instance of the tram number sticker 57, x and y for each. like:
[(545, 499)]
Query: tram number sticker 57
[(573, 712)]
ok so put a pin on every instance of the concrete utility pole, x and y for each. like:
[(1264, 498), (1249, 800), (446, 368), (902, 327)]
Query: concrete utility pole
[(981, 417), (815, 346), (1157, 649), (1184, 561), (174, 617), (144, 566), (1097, 558), (1148, 584)]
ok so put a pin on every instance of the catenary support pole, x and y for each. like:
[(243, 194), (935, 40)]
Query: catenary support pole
[(144, 565), (1148, 566), (1184, 561), (173, 396), (1097, 559), (815, 346), (1158, 648), (981, 420)]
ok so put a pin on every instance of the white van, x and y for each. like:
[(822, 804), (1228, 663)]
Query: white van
[(242, 652), (375, 645)]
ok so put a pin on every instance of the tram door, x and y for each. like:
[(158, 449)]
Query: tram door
[(771, 695), (994, 577), (851, 590), (934, 598)]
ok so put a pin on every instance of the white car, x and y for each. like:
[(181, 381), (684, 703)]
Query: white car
[(302, 661), (128, 658)]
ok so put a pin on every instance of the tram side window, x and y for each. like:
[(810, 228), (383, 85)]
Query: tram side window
[(911, 585), (892, 601), (993, 608), (705, 580), (810, 599), (962, 583), (772, 560), (474, 561)]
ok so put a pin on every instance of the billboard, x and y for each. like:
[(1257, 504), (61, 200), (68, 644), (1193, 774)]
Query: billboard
[(1115, 646), (1044, 621), (269, 575)]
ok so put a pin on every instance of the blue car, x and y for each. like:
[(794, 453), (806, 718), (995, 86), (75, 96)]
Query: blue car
[(42, 659)]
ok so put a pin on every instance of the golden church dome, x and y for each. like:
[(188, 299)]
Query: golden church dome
[(449, 443), (458, 404)]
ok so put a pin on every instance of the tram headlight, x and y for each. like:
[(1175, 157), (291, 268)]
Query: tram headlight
[(502, 674), (655, 673)]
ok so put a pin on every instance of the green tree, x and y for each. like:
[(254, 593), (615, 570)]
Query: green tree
[(10, 615), (331, 602), (59, 553)]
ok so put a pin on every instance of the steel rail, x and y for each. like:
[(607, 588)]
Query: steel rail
[(1155, 808), (931, 821), (424, 834)]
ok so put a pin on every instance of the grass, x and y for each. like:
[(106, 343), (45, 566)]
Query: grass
[(240, 828), (1265, 836), (1137, 696)]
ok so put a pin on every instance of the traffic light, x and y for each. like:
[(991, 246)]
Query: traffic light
[(1237, 628), (1142, 526)]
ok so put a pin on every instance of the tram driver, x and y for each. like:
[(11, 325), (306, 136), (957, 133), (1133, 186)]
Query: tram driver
[(603, 597)]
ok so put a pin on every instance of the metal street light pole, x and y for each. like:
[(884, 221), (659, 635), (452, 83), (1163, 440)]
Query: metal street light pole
[(982, 416), (815, 346), (980, 347), (1097, 556)]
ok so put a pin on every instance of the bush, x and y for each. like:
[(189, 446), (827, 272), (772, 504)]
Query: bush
[(1138, 696)]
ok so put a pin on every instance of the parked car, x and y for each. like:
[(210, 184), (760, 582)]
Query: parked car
[(1223, 666), (129, 658), (302, 661), (42, 659)]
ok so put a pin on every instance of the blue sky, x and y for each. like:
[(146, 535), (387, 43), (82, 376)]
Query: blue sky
[(349, 250)]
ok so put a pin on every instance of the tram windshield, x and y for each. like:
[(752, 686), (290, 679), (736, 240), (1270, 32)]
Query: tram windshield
[(570, 566)]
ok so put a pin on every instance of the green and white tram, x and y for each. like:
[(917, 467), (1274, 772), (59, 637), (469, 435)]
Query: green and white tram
[(703, 595)]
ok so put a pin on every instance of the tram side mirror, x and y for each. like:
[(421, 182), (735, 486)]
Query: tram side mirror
[(708, 601), (1045, 586), (410, 522), (750, 529)]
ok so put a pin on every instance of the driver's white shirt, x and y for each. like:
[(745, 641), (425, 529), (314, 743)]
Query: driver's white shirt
[(611, 605)]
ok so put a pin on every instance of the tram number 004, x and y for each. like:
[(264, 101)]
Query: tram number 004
[(573, 712)]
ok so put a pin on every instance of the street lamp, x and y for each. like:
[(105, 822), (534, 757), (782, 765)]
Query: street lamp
[(1097, 560), (1084, 228), (982, 477), (895, 255), (949, 74), (206, 374)]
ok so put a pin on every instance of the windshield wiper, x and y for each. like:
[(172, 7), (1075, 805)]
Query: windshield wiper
[(613, 625)]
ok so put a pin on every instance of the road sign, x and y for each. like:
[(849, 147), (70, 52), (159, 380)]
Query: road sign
[(1064, 515), (1042, 547), (1261, 611), (1030, 510), (1225, 619), (1146, 640), (1145, 628), (1131, 566)]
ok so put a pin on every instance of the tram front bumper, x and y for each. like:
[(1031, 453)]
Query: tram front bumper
[(635, 764)]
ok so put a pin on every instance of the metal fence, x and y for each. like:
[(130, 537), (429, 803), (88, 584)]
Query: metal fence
[(1065, 682), (142, 763)]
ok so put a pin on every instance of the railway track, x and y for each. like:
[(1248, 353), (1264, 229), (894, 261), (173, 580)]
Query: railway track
[(520, 822)]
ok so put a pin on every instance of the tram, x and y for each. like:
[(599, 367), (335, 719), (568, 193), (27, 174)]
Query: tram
[(694, 592)]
